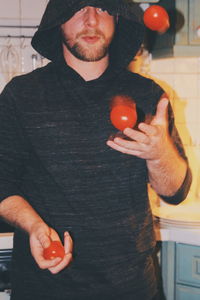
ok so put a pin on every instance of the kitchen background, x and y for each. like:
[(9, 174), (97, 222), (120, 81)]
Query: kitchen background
[(18, 18), (180, 77)]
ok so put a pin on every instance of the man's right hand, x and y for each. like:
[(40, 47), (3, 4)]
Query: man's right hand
[(40, 238), (17, 211)]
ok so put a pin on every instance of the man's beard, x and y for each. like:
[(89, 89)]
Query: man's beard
[(88, 52)]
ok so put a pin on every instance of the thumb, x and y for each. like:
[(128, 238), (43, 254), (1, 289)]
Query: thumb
[(161, 116), (45, 240), (68, 243)]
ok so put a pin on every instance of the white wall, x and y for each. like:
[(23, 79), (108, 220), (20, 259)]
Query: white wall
[(180, 77), (16, 53)]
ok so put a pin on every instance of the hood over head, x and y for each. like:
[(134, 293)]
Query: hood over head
[(129, 32)]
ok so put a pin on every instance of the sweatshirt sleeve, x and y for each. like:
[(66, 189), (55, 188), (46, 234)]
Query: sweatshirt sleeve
[(12, 148), (182, 192)]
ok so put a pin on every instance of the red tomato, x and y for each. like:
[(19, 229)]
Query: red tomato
[(55, 249), (156, 18), (123, 116), (122, 100)]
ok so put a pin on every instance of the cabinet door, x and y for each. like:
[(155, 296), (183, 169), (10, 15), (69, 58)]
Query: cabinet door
[(182, 21), (161, 45), (187, 40), (187, 293), (168, 255), (187, 22), (188, 265), (194, 22)]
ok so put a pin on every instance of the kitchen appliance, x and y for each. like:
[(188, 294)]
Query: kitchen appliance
[(6, 245), (5, 264)]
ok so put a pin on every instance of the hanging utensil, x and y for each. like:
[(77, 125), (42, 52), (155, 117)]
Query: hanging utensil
[(9, 61), (34, 61)]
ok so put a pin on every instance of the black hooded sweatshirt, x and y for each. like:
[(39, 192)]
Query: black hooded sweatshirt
[(53, 128)]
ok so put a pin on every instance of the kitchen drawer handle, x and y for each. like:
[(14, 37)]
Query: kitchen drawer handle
[(196, 267)]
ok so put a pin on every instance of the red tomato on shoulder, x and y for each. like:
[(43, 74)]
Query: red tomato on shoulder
[(123, 116), (55, 249), (156, 18)]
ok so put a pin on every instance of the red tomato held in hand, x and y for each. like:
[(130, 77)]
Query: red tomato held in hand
[(55, 249), (156, 18), (123, 116)]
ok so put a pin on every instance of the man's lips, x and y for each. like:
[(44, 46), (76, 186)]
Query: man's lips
[(91, 39)]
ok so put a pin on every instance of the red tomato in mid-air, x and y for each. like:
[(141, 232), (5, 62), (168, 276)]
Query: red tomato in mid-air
[(123, 116), (55, 249), (156, 18)]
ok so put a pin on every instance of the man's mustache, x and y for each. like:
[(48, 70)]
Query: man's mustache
[(87, 32)]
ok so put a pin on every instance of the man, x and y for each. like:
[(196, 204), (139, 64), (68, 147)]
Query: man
[(62, 178)]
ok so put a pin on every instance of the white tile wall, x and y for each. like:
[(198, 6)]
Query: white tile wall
[(186, 85), (187, 65), (18, 13), (181, 78), (10, 9), (32, 9)]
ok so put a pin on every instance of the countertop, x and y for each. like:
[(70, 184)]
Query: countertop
[(163, 233), (180, 235), (179, 223), (6, 240)]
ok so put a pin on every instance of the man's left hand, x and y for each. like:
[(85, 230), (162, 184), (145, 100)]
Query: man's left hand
[(151, 141)]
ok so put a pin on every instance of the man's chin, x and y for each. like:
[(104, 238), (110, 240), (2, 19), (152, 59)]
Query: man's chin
[(90, 58), (89, 53)]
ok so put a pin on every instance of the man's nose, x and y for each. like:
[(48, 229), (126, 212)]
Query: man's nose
[(91, 17)]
